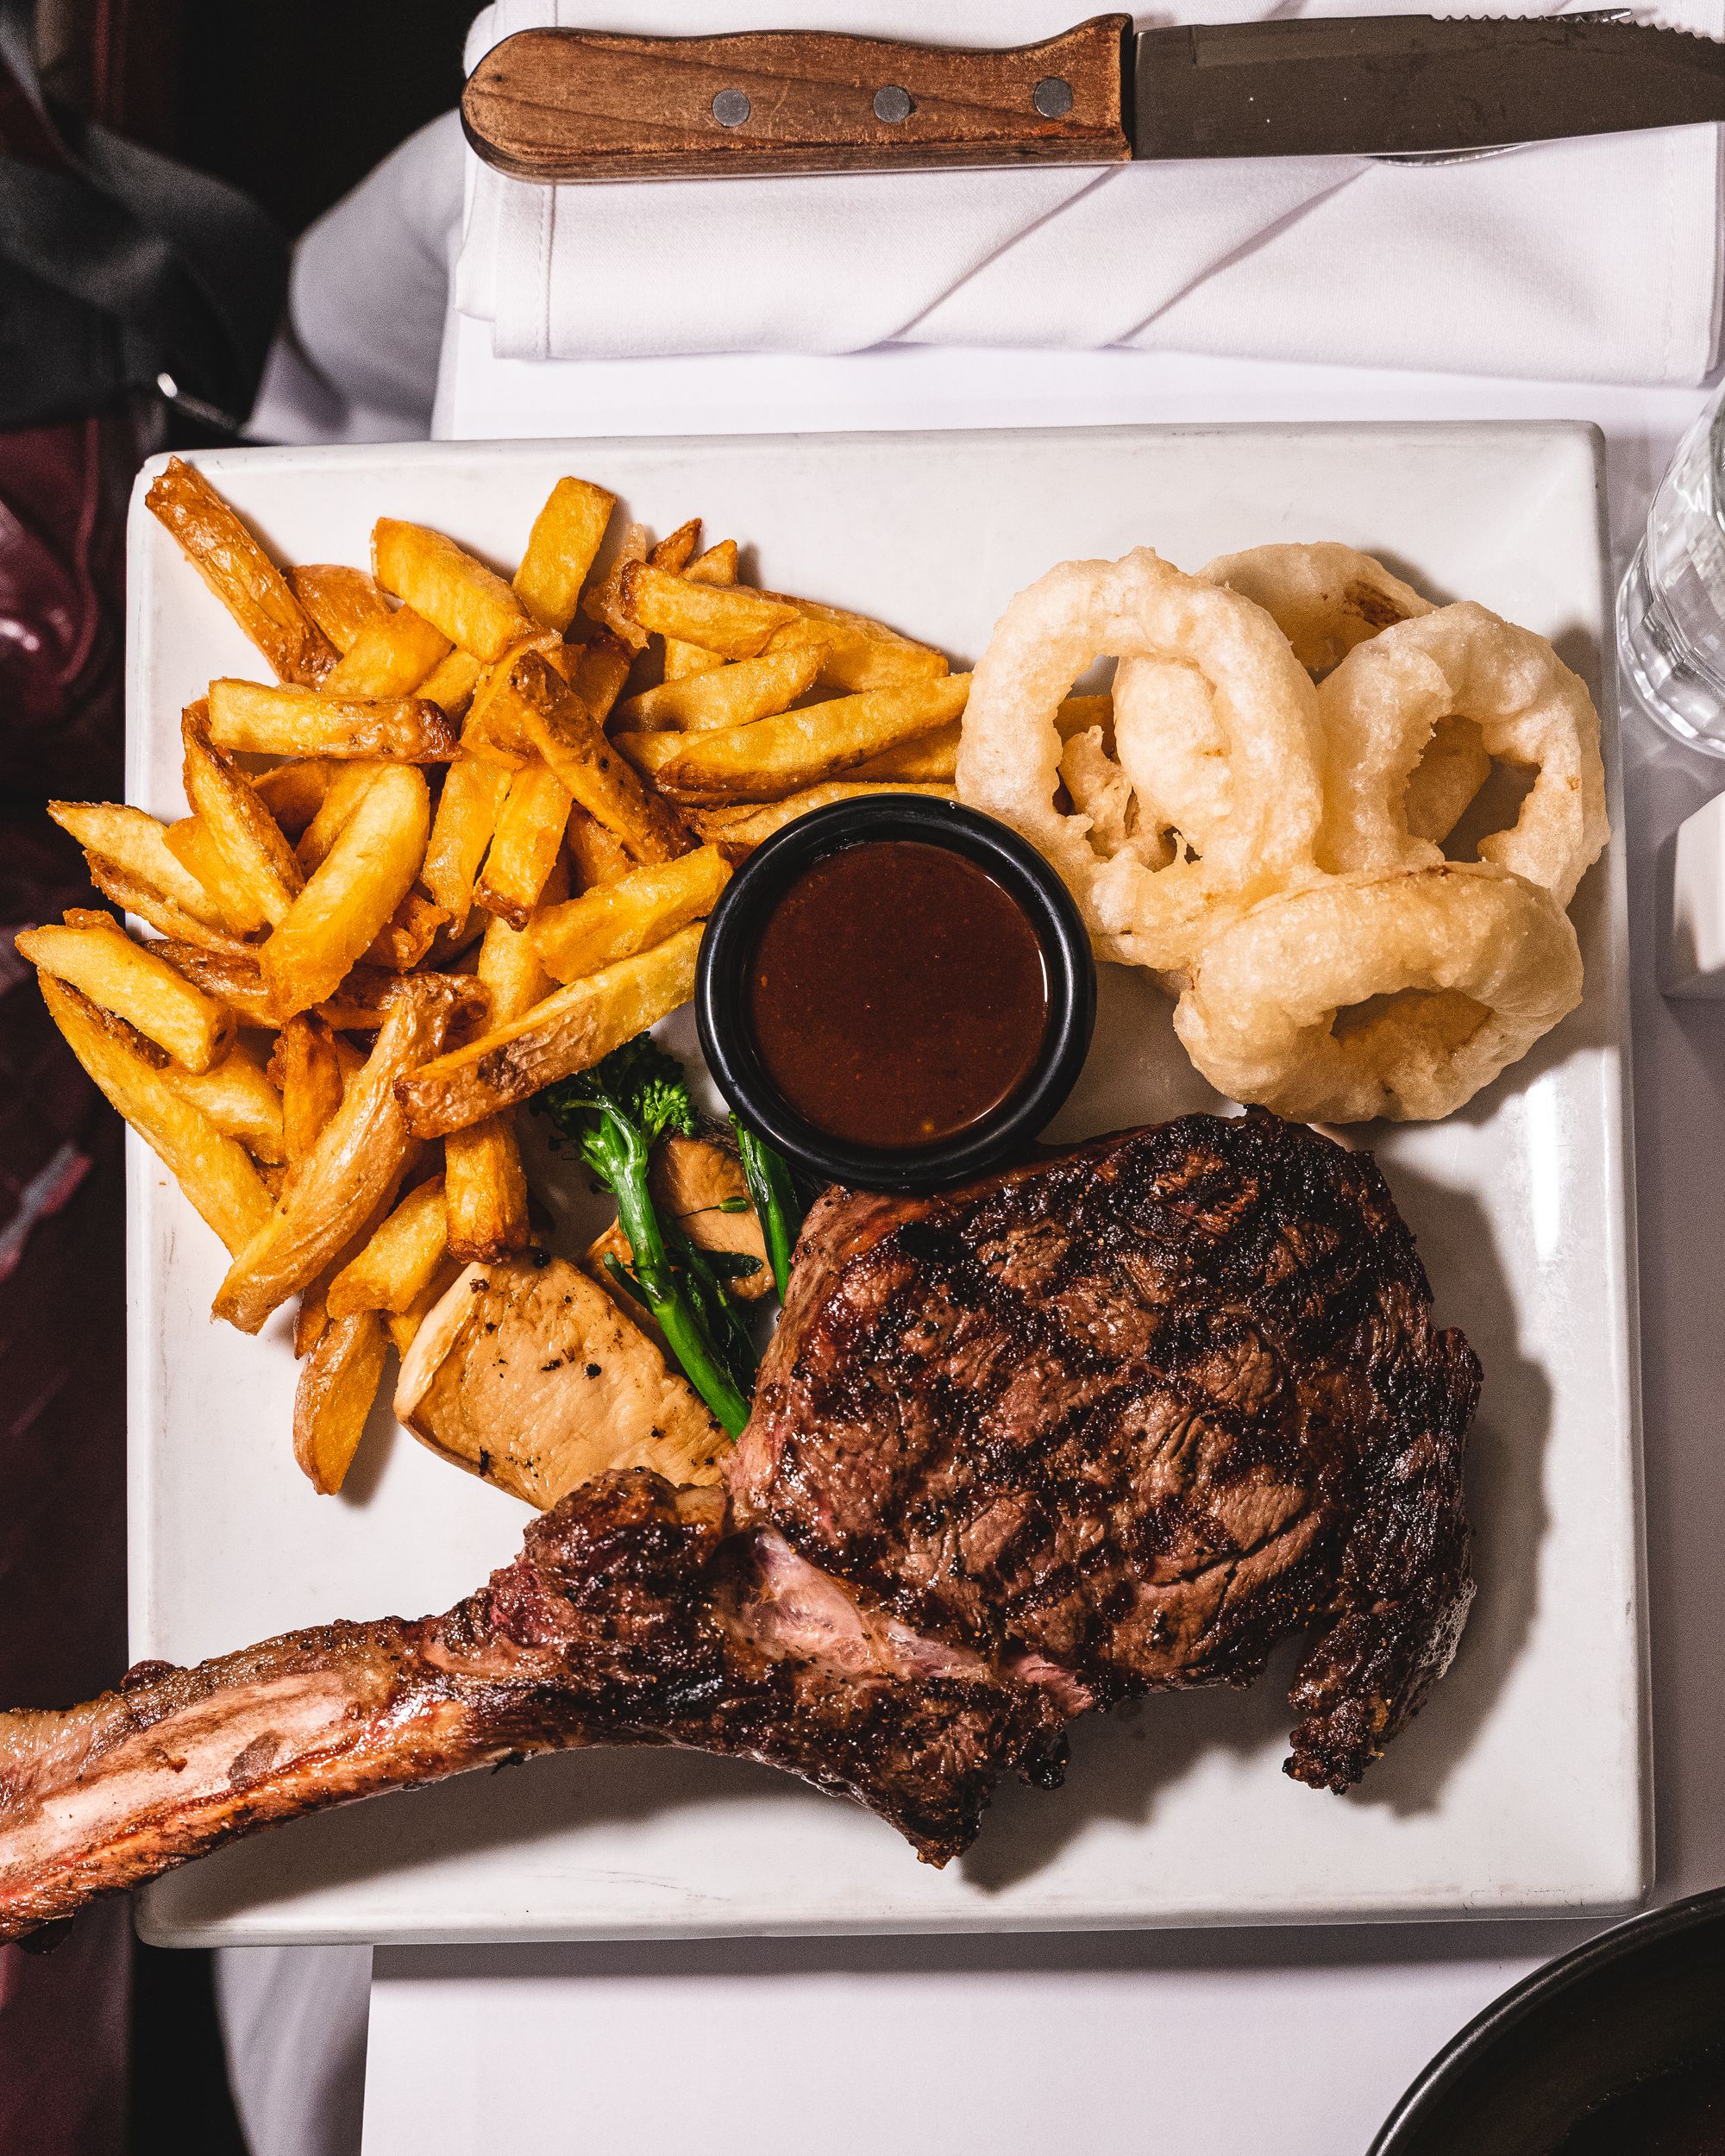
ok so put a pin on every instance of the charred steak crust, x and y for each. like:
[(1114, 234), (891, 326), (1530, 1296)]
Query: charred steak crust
[(1138, 1412)]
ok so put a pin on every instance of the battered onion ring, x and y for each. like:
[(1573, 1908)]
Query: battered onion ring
[(1010, 748), (1380, 706), (1492, 962)]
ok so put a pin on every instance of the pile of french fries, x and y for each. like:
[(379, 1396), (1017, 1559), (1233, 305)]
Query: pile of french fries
[(462, 846)]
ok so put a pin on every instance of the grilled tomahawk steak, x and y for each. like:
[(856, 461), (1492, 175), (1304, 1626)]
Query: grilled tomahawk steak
[(1111, 1422)]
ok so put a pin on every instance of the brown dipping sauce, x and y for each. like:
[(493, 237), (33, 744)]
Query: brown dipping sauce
[(897, 994)]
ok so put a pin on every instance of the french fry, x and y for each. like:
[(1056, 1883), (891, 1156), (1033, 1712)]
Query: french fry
[(729, 619), (340, 600), (485, 1191), (404, 941), (732, 694), (404, 1325), (356, 1164), (214, 1171), (293, 793), (492, 729), (596, 671), (508, 967), (249, 838), (569, 1031), (133, 895), (333, 1400), (308, 1077), (675, 551), (130, 979), (933, 760), (402, 1256), (716, 565), (799, 748), (460, 831), (555, 722), (603, 603), (529, 837), (744, 827), (351, 786), (236, 979), (242, 575), (138, 844), (565, 536), (288, 722), (470, 603), (450, 685), (239, 1099), (864, 654), (595, 855), (351, 895), (193, 845), (390, 657), (642, 908)]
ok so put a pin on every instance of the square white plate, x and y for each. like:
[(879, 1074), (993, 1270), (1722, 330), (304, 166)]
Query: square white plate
[(1522, 1787)]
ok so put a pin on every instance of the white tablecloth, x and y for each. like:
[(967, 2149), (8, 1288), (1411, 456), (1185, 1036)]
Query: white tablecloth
[(1215, 2043)]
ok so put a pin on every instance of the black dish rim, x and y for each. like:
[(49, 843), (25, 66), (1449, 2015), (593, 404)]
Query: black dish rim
[(730, 940)]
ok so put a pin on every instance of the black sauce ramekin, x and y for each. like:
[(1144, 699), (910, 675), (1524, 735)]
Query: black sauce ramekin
[(733, 935)]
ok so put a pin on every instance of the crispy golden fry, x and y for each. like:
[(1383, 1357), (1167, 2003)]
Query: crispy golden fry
[(733, 694), (485, 1190), (508, 967), (716, 565), (239, 1099), (404, 1325), (470, 603), (491, 730), (390, 657), (138, 844), (450, 686), (406, 939), (730, 619), (776, 756), (595, 855), (351, 786), (293, 793), (249, 838), (461, 830), (356, 1164), (398, 1262), (352, 894), (675, 551), (932, 761), (554, 721), (596, 671), (286, 722), (332, 1402), (130, 979), (236, 979), (745, 825), (133, 895), (571, 1030), (642, 908), (242, 575), (340, 600), (192, 844), (603, 603), (865, 653), (214, 1171), (307, 1074), (530, 834), (565, 536)]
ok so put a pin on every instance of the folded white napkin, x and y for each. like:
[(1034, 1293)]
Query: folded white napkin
[(1594, 261)]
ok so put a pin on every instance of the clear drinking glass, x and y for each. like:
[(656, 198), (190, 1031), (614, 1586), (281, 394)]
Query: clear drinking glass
[(1671, 608)]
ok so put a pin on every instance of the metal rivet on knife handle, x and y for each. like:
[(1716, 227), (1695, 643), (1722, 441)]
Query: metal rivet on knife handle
[(893, 104), (1052, 96), (731, 108)]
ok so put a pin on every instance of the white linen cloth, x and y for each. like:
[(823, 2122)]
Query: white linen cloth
[(1595, 259)]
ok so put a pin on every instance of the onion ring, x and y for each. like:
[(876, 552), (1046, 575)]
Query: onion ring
[(1325, 598), (1473, 965), (1379, 709), (1264, 707)]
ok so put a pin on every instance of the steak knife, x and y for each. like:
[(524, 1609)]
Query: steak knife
[(570, 104)]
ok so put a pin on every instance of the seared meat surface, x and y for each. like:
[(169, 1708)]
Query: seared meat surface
[(1111, 1422), (1138, 1412)]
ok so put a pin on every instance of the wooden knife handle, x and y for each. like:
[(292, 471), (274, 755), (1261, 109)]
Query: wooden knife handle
[(583, 106)]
